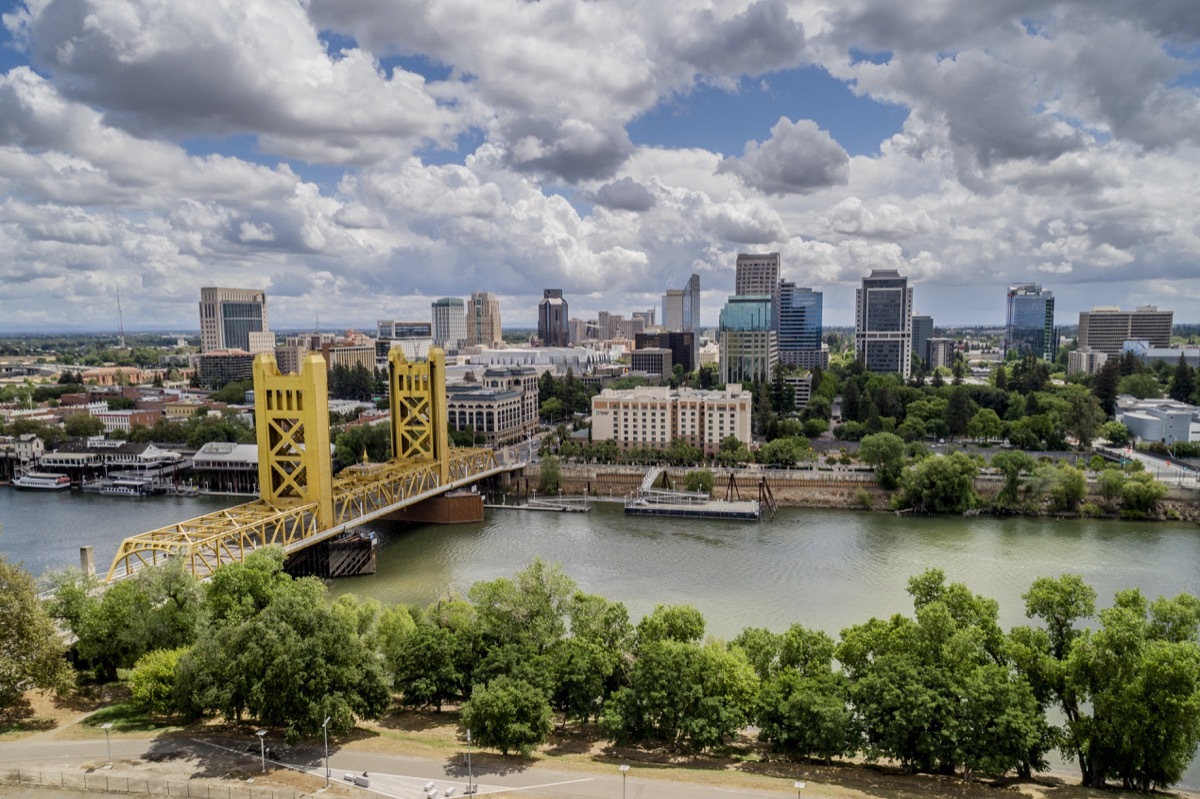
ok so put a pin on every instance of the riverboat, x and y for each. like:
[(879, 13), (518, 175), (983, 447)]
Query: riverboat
[(42, 481)]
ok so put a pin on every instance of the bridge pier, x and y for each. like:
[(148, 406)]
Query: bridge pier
[(455, 507)]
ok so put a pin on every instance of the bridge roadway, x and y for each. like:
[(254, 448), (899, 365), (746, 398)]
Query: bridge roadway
[(360, 495)]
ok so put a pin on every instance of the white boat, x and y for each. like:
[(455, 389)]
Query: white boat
[(42, 481), (125, 488)]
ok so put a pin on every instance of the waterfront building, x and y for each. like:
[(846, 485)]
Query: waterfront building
[(229, 316), (654, 416), (502, 405), (1106, 328), (449, 323), (922, 331), (883, 322), (226, 467), (483, 320), (1029, 322), (749, 344), (552, 319), (800, 327)]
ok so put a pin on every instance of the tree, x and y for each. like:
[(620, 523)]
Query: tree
[(940, 485), (699, 480), (1183, 381), (509, 715), (985, 425), (1141, 493), (550, 477), (682, 623), (1115, 433), (1111, 482), (1011, 464), (884, 451), (152, 682), (1104, 386), (959, 412), (1083, 416), (373, 439), (783, 451), (530, 609), (31, 652), (1142, 385), (82, 425), (551, 409), (852, 410), (425, 669), (683, 694)]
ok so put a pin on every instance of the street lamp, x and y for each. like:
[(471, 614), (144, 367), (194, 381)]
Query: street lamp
[(325, 730), (262, 749), (107, 741), (470, 776), (624, 769)]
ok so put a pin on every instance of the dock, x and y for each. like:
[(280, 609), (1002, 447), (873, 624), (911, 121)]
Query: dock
[(691, 504), (557, 504)]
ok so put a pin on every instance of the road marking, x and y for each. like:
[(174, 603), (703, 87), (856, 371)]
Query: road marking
[(533, 787)]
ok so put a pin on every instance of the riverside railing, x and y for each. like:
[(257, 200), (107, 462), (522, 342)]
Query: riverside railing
[(141, 786)]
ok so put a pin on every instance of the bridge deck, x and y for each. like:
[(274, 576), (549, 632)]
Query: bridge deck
[(360, 496)]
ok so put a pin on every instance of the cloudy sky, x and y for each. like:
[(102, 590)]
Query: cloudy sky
[(358, 158)]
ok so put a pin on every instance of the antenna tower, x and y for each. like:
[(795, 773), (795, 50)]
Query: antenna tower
[(120, 321)]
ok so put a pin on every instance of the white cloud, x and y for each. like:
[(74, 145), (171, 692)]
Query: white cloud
[(798, 158)]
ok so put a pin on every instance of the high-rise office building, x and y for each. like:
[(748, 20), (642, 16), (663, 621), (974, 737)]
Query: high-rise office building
[(681, 307), (800, 327), (883, 322), (483, 320), (552, 319), (682, 346), (749, 344), (229, 316), (449, 323), (758, 274), (1106, 330), (922, 331), (400, 329), (1029, 322)]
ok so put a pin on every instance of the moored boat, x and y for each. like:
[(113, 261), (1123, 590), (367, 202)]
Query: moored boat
[(42, 481)]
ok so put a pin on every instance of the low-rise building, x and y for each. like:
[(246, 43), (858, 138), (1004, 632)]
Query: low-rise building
[(1165, 421), (1085, 360), (123, 421), (219, 367), (502, 405), (653, 417), (654, 360)]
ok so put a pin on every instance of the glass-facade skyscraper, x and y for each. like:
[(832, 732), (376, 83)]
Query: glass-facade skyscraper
[(749, 343), (229, 316), (1029, 323), (800, 325)]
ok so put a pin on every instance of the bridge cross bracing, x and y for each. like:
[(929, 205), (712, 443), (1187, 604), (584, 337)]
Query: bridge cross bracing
[(301, 503)]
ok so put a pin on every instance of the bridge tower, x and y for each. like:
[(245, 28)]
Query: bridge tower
[(292, 424), (420, 428)]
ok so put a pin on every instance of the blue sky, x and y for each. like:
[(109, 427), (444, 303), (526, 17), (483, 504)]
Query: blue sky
[(356, 160)]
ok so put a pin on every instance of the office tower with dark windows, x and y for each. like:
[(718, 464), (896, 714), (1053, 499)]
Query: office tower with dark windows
[(1106, 330), (681, 344), (800, 328), (483, 320), (1029, 322), (883, 322), (552, 319), (449, 323), (229, 316), (922, 331)]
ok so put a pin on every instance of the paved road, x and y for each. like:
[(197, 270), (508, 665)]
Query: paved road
[(398, 776)]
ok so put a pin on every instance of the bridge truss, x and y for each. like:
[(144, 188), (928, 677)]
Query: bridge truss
[(301, 504)]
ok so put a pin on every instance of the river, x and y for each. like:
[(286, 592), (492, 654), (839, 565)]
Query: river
[(823, 569)]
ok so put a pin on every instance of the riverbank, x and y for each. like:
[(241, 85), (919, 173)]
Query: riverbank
[(830, 488)]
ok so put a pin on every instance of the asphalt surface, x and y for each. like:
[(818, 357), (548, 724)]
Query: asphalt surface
[(404, 777)]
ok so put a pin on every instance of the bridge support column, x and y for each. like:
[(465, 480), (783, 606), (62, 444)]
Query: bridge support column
[(291, 419), (420, 428)]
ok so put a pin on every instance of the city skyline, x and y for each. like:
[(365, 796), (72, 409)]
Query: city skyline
[(356, 168)]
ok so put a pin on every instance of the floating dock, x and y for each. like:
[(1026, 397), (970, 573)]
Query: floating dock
[(691, 504)]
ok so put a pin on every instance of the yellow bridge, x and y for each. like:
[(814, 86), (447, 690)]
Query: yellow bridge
[(301, 503)]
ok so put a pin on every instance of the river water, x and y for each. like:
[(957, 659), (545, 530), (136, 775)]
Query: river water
[(823, 569)]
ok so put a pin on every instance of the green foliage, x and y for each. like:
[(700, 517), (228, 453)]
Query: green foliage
[(375, 439), (352, 383), (1063, 485), (683, 694), (82, 425), (152, 683), (425, 667), (233, 393), (1115, 433), (509, 715), (1011, 464), (1142, 385), (1141, 493), (682, 623), (550, 476), (940, 485), (699, 480), (985, 425), (785, 451), (31, 652), (884, 451), (530, 609)]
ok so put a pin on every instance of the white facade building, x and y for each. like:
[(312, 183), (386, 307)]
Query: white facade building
[(655, 416)]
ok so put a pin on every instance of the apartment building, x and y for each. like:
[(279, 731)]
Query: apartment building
[(653, 417)]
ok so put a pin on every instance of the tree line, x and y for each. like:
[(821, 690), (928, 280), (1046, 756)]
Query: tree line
[(941, 690)]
